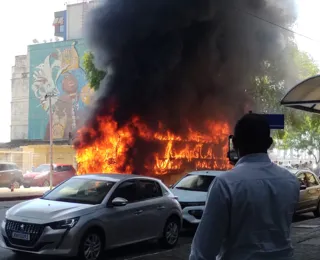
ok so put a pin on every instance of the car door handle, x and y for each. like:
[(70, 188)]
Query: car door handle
[(161, 207), (138, 212)]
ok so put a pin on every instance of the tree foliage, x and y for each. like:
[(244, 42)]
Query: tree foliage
[(305, 136), (302, 129), (94, 75)]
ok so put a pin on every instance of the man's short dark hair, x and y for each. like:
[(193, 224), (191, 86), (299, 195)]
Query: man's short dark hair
[(252, 133)]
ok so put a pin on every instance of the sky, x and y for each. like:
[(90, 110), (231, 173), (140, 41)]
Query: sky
[(33, 20)]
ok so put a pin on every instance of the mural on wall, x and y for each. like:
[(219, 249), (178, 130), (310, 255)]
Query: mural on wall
[(57, 70)]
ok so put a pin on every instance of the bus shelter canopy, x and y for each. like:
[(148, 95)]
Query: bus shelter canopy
[(304, 96)]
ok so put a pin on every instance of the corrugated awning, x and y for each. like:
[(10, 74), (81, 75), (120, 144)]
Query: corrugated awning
[(304, 96)]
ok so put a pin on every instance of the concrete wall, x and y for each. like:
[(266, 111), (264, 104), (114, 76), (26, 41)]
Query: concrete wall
[(74, 21), (20, 98), (41, 155), (76, 17)]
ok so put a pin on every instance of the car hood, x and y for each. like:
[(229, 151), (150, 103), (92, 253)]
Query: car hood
[(189, 196), (45, 211), (33, 174)]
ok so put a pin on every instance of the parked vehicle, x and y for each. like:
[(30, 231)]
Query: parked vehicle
[(40, 176), (89, 213), (309, 192), (191, 192), (10, 175)]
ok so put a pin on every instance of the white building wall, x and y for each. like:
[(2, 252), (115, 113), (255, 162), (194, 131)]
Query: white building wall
[(20, 98), (74, 21), (76, 15)]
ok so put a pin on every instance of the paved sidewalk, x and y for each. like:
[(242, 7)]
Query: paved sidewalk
[(21, 193), (305, 237)]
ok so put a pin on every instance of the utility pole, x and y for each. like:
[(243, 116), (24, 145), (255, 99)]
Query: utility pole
[(49, 96)]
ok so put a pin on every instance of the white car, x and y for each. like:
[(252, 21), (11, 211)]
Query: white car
[(191, 192)]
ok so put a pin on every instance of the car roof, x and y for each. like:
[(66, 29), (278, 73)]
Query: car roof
[(296, 171), (207, 173), (115, 177), (7, 163)]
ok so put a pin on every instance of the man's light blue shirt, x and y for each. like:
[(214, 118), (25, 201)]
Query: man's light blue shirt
[(248, 214)]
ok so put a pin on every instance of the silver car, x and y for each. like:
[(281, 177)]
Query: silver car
[(87, 214)]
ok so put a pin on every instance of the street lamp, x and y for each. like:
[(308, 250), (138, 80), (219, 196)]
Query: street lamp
[(49, 96)]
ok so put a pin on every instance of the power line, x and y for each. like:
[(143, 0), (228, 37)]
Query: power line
[(277, 25)]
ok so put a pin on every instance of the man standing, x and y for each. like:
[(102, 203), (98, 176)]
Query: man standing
[(249, 209)]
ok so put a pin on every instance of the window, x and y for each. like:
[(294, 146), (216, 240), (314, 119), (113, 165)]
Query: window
[(78, 190), (302, 179), (58, 169), (61, 21), (42, 168), (3, 167), (56, 21), (195, 183), (149, 189), (311, 180), (127, 190), (61, 29), (66, 168)]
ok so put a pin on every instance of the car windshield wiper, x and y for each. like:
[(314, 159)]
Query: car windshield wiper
[(71, 200), (189, 189), (183, 188)]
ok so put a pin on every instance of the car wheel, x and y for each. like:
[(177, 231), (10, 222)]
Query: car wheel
[(91, 247), (316, 213), (15, 184), (26, 186), (46, 183), (170, 234)]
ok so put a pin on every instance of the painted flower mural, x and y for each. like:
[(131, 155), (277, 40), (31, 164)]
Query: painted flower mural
[(60, 73)]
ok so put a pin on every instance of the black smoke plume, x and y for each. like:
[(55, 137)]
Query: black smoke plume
[(183, 61)]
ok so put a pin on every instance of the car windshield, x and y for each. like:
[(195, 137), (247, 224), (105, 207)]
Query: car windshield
[(195, 183), (42, 168), (77, 190), (3, 167)]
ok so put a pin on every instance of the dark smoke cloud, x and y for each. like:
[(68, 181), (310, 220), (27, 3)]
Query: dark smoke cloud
[(183, 61)]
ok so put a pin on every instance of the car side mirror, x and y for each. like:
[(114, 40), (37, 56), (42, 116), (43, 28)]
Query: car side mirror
[(303, 187), (119, 202)]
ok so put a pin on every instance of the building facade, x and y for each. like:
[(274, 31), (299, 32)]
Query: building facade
[(69, 24), (20, 98), (57, 68), (54, 67)]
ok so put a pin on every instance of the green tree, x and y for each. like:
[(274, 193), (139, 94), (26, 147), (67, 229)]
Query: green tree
[(302, 129), (305, 136), (94, 75)]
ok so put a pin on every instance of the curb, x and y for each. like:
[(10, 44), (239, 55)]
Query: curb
[(16, 198)]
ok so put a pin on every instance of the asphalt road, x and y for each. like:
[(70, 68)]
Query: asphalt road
[(131, 252)]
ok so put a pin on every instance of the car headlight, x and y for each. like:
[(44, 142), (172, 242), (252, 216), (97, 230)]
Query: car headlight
[(64, 224)]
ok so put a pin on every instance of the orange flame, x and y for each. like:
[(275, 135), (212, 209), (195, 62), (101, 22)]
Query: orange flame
[(108, 153)]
